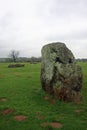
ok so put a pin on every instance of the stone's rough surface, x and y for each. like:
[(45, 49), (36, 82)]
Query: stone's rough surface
[(60, 75)]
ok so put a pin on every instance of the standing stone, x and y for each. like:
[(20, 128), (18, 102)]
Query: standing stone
[(60, 75)]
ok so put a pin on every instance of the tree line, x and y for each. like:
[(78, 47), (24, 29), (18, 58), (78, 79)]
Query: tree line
[(14, 57), (22, 59)]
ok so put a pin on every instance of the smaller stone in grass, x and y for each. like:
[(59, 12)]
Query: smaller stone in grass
[(55, 125), (46, 97), (3, 99), (78, 112), (15, 65), (52, 101), (52, 124), (7, 111), (20, 118)]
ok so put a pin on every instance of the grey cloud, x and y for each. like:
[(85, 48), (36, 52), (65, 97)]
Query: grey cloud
[(73, 35), (70, 7), (28, 25), (64, 10), (6, 20)]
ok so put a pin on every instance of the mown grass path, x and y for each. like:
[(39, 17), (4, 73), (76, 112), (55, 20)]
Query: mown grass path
[(24, 105)]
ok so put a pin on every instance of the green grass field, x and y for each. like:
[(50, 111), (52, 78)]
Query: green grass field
[(21, 94)]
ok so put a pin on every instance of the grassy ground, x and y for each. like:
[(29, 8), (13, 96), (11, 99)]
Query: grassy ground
[(21, 94)]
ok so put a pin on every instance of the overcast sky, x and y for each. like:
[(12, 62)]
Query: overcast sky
[(27, 25)]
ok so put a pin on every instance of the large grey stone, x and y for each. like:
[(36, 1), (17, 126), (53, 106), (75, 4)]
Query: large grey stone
[(60, 74)]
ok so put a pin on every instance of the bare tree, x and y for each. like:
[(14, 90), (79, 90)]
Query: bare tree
[(13, 55)]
